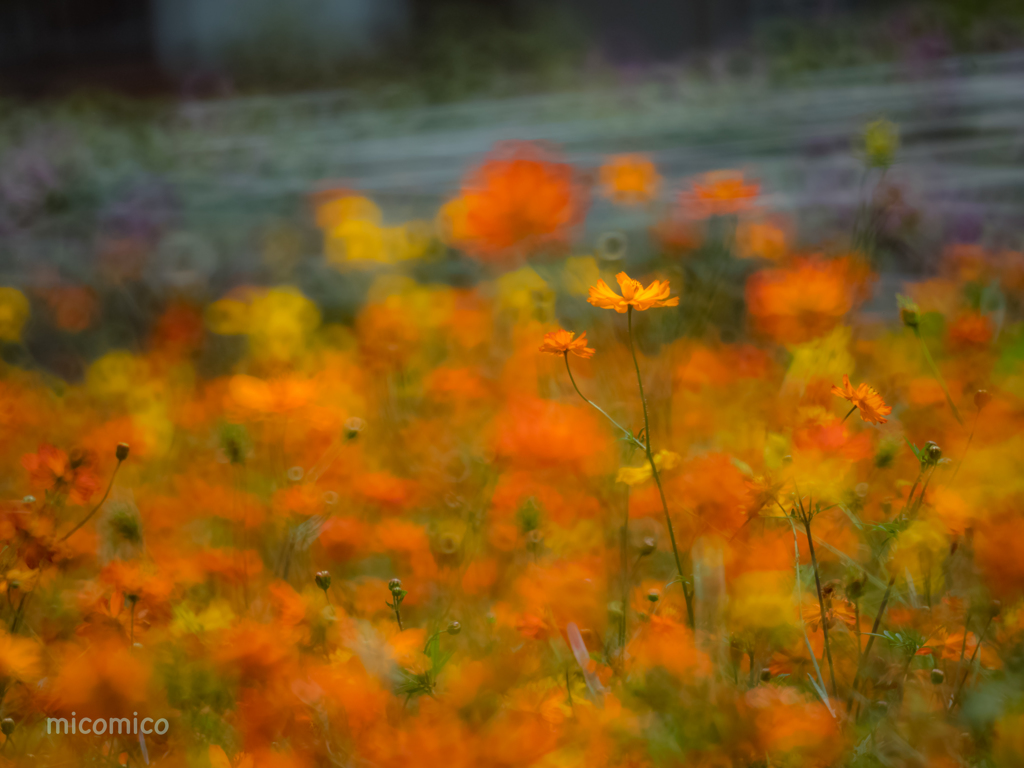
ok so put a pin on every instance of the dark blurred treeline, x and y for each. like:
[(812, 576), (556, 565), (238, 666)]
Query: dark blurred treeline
[(448, 47)]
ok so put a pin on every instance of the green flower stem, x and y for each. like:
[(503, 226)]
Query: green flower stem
[(871, 641), (629, 435), (654, 472), (821, 602), (970, 664), (106, 493), (938, 376)]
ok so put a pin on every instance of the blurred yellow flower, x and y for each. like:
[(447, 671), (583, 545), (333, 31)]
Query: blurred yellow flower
[(579, 273), (761, 600), (525, 295), (115, 375), (664, 460), (827, 357), (14, 311), (338, 210), (281, 321)]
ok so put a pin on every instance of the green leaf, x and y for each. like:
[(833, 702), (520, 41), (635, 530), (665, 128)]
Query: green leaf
[(913, 447)]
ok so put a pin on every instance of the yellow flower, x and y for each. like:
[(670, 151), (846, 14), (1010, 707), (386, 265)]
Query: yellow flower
[(14, 313), (665, 461), (281, 320)]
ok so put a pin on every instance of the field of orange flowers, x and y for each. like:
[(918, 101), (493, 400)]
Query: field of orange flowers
[(676, 504)]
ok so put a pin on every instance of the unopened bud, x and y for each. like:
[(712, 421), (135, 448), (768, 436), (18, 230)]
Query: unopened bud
[(930, 454), (353, 427), (981, 399), (937, 676), (121, 451), (653, 596), (994, 608), (454, 628), (881, 139), (910, 314), (648, 545), (766, 675), (855, 589), (7, 726), (323, 580), (395, 585)]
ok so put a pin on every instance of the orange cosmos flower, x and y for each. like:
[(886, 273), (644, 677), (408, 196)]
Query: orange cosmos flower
[(720, 193), (971, 329), (516, 201), (805, 300), (761, 240), (633, 295), (51, 469), (561, 342), (870, 404), (629, 179)]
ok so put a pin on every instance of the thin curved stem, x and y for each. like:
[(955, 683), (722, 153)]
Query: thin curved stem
[(870, 642), (599, 409), (966, 447), (106, 493), (938, 376), (821, 603), (654, 472), (970, 664)]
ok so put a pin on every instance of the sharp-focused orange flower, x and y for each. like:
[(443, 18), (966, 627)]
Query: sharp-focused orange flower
[(629, 179), (633, 295), (719, 193), (870, 404), (518, 200), (561, 342)]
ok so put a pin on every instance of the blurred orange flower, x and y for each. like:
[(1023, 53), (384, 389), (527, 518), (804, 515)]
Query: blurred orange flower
[(51, 469), (971, 329), (719, 193), (629, 179), (518, 200), (561, 342), (74, 307), (761, 240), (870, 404), (806, 300), (633, 295)]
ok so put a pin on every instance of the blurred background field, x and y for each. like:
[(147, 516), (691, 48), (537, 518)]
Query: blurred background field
[(206, 126)]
